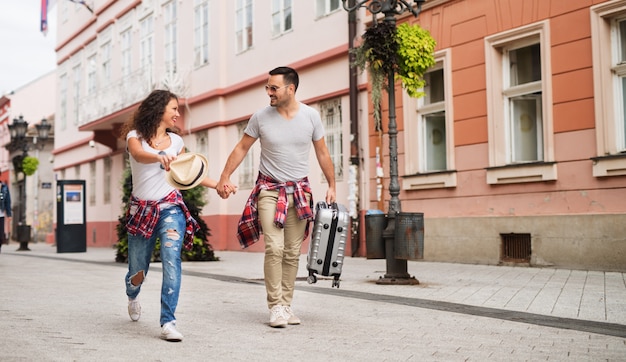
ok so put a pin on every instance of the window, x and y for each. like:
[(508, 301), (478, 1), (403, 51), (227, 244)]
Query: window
[(107, 180), (64, 11), (92, 75), (76, 90), (281, 16), (63, 100), (619, 70), (201, 32), (522, 97), (325, 7), (429, 136), (519, 101), (330, 111), (146, 42), (126, 52), (169, 11), (246, 169), (202, 144), (92, 183), (432, 111), (243, 25), (105, 54), (608, 39)]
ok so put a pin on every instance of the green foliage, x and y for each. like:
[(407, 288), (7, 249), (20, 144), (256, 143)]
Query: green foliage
[(194, 199), (407, 51), (415, 55), (29, 165)]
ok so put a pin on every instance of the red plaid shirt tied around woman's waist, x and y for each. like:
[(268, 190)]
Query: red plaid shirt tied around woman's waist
[(249, 229), (145, 215)]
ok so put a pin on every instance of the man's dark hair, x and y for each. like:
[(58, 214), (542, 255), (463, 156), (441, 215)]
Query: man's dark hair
[(290, 76)]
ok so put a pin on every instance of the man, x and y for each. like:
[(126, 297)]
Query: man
[(280, 205), (5, 211)]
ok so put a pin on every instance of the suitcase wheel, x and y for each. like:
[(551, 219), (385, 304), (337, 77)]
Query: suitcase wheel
[(312, 279), (335, 283)]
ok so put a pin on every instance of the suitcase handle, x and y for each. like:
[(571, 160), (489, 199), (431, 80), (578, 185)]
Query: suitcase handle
[(324, 205)]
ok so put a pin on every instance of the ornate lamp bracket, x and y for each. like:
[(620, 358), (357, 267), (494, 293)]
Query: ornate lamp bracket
[(388, 7)]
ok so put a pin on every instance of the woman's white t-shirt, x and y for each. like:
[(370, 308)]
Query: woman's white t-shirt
[(149, 178)]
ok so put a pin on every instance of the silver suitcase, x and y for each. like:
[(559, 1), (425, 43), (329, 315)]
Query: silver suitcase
[(328, 242)]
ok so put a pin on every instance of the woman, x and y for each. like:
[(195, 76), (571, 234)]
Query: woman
[(156, 208)]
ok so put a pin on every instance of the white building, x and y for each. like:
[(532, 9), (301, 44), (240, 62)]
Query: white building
[(215, 55)]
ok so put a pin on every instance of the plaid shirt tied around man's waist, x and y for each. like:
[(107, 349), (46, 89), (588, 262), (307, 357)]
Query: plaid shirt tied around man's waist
[(249, 228), (145, 215)]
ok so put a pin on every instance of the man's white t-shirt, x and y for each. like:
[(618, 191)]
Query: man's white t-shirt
[(285, 144), (148, 178)]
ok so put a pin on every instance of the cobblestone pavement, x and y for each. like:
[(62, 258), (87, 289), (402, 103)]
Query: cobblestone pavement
[(72, 306)]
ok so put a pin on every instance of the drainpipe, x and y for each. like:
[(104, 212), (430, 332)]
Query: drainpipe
[(353, 174)]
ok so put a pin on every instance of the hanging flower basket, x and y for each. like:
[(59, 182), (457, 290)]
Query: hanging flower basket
[(407, 50), (29, 165)]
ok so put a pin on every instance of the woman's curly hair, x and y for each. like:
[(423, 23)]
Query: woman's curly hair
[(147, 117)]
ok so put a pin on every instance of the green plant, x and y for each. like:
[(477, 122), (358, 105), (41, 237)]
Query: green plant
[(407, 51), (29, 165), (416, 50), (194, 199)]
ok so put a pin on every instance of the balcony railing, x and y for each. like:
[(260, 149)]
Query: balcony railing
[(130, 90)]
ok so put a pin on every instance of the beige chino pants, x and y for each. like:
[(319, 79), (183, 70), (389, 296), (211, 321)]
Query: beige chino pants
[(282, 248)]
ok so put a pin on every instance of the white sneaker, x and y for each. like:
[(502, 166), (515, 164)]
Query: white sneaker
[(169, 332), (134, 309), (291, 318), (277, 317)]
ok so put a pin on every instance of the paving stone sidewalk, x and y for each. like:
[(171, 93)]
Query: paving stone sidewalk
[(71, 306)]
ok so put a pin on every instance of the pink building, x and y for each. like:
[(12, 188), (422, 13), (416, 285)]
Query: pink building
[(32, 196), (215, 55), (5, 115), (516, 154)]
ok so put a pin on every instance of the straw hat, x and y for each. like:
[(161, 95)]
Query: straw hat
[(187, 171)]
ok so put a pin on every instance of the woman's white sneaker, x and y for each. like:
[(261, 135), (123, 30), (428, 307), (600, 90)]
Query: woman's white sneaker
[(134, 309), (169, 332)]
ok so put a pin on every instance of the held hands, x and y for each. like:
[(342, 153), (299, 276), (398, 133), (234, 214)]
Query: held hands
[(224, 188)]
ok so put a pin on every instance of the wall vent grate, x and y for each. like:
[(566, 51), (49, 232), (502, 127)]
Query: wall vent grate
[(516, 248)]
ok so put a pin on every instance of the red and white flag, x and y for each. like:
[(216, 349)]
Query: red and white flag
[(44, 17)]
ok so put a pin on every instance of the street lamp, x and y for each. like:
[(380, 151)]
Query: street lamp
[(396, 268), (19, 141)]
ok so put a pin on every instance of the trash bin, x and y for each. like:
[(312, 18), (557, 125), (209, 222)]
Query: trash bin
[(23, 233), (409, 236), (375, 224)]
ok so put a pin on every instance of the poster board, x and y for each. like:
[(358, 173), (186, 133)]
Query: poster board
[(71, 230)]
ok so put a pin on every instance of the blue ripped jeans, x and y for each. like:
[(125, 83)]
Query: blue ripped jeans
[(170, 230)]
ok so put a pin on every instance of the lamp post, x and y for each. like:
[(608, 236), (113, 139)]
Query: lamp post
[(396, 268), (20, 141)]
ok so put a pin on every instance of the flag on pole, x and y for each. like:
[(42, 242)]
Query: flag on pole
[(83, 3), (44, 17)]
